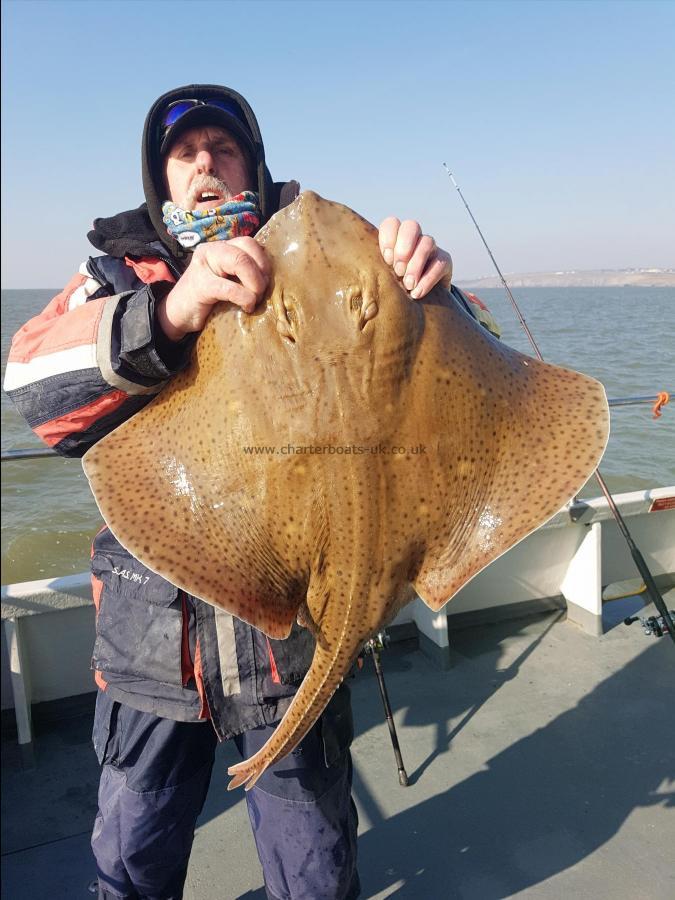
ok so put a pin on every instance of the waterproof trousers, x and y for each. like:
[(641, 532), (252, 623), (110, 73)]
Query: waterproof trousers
[(154, 780)]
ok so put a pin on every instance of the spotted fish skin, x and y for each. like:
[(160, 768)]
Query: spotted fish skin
[(348, 602), (339, 450)]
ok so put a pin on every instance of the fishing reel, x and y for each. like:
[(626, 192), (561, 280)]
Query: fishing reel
[(656, 626), (377, 643), (373, 647)]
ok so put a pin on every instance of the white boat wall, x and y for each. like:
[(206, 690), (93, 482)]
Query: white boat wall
[(568, 562), (49, 624)]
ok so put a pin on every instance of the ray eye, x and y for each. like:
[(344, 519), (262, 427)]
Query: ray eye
[(285, 331), (287, 320), (356, 303), (369, 313)]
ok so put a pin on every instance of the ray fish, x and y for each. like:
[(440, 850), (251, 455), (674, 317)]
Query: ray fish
[(340, 451)]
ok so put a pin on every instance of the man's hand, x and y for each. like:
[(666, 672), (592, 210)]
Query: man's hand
[(237, 271), (414, 256)]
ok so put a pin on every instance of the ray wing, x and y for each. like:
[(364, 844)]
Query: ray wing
[(194, 485), (510, 440)]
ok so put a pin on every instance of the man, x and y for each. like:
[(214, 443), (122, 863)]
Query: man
[(174, 674)]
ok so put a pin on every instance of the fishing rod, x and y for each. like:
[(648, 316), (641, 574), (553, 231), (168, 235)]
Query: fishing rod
[(638, 558), (662, 398), (37, 453), (373, 648)]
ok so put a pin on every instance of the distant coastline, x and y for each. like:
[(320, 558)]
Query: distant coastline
[(577, 278), (572, 278)]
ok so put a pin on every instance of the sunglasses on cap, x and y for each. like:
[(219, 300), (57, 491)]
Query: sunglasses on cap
[(178, 108)]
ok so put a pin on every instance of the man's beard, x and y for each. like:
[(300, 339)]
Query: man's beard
[(201, 183)]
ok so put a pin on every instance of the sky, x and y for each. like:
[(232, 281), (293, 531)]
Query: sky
[(556, 119)]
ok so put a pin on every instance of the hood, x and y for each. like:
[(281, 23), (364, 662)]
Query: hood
[(153, 177), (129, 233)]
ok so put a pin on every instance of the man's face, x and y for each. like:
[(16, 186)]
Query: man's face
[(204, 168)]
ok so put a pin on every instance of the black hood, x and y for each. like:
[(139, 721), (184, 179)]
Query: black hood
[(153, 167), (129, 233)]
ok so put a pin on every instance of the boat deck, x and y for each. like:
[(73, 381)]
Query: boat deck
[(542, 764)]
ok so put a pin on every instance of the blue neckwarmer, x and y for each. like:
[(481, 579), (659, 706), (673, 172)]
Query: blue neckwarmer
[(239, 216)]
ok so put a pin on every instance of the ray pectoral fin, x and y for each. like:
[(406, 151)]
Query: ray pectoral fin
[(200, 533), (538, 457)]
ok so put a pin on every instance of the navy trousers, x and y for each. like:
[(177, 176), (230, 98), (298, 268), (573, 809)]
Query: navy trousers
[(154, 779)]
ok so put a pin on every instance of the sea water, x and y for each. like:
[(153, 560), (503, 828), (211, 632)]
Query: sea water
[(621, 336)]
